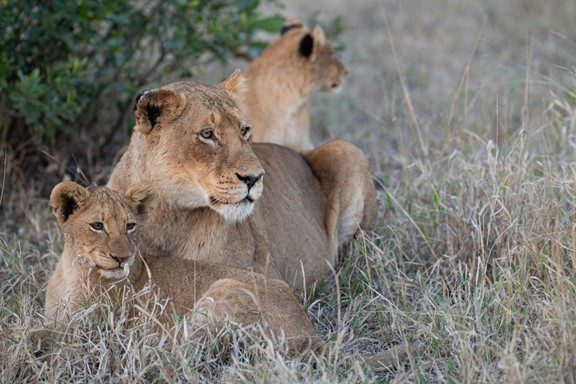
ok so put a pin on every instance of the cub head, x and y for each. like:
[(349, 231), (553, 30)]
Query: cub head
[(194, 146), (99, 225), (315, 52)]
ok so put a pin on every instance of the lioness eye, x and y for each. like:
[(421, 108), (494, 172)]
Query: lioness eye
[(97, 226), (245, 130), (207, 133), (130, 227)]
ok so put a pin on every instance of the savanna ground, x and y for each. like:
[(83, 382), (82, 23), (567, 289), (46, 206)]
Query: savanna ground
[(467, 111)]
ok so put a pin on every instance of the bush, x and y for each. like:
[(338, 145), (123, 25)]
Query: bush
[(69, 70)]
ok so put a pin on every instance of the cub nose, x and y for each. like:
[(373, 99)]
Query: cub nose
[(250, 180), (118, 258)]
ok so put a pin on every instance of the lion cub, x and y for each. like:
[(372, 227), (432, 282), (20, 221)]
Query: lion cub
[(280, 81), (100, 228)]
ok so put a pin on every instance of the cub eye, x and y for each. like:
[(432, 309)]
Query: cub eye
[(130, 227), (245, 131), (207, 133), (97, 226)]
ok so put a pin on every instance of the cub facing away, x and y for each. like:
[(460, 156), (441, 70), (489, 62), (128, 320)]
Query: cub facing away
[(99, 254), (192, 143), (281, 79)]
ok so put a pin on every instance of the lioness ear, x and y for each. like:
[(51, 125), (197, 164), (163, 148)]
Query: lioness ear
[(236, 87), (155, 104), (66, 198), (141, 197)]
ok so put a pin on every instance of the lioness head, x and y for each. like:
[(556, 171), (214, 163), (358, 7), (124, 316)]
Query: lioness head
[(316, 52), (99, 224), (194, 146)]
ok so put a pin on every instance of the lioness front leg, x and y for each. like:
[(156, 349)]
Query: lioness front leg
[(268, 303), (344, 173)]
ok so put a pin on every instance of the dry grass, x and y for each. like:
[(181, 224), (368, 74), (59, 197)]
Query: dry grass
[(468, 113)]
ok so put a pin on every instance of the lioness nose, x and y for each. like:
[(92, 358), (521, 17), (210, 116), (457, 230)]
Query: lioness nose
[(250, 180)]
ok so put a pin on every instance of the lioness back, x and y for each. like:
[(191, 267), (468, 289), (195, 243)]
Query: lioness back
[(281, 79), (290, 215)]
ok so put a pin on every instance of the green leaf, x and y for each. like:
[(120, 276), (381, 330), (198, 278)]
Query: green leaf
[(270, 24)]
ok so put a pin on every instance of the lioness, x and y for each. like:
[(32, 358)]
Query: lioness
[(281, 79), (193, 144), (99, 226)]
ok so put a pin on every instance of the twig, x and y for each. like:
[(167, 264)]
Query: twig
[(465, 74), (402, 76), (4, 174)]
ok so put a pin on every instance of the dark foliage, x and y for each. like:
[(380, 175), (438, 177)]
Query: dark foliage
[(69, 71)]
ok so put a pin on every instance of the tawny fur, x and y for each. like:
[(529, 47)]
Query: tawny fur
[(204, 200), (347, 182), (101, 259), (281, 80)]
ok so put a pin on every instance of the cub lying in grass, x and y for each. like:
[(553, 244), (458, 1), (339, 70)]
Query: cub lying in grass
[(99, 255)]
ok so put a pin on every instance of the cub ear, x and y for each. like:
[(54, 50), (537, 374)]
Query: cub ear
[(312, 42), (306, 45), (141, 198), (66, 198), (319, 36), (236, 86), (155, 104)]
